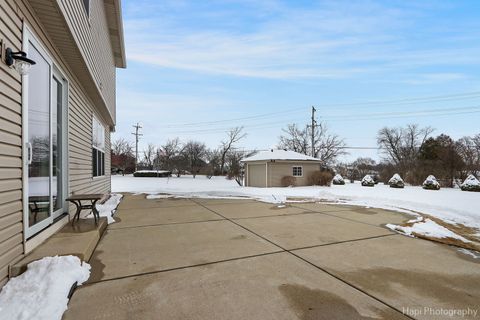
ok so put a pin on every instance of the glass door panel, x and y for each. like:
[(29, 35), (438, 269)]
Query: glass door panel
[(39, 140), (45, 138)]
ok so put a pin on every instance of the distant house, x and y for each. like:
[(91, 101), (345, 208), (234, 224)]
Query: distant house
[(267, 168), (58, 61)]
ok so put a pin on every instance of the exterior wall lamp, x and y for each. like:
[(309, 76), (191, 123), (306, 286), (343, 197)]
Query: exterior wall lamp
[(20, 61)]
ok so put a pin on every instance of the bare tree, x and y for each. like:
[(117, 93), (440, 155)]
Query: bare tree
[(402, 146), (362, 167), (295, 139), (194, 153), (122, 155), (469, 150), (167, 153), (122, 146), (328, 147), (213, 158), (233, 136), (235, 166), (149, 154)]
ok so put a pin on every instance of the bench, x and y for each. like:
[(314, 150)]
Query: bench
[(92, 200)]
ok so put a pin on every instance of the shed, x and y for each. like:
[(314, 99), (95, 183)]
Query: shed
[(267, 168)]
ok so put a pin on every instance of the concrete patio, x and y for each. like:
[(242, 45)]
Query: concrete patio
[(242, 259)]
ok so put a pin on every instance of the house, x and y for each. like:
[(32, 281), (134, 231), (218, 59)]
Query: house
[(58, 61), (267, 168)]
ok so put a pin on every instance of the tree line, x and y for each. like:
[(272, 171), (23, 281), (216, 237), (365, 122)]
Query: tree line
[(192, 157), (415, 152), (412, 151)]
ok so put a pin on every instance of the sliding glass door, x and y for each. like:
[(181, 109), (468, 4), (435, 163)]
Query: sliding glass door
[(44, 104)]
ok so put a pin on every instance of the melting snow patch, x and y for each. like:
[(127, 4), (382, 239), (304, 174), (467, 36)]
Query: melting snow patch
[(474, 254), (427, 228), (41, 292), (108, 208), (159, 196)]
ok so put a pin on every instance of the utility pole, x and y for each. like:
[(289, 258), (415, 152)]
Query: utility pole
[(314, 124), (137, 137)]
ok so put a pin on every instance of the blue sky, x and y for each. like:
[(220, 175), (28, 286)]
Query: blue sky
[(363, 64)]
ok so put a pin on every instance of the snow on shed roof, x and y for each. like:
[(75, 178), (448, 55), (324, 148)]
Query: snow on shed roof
[(279, 155)]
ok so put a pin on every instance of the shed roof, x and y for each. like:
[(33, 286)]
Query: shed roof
[(280, 155)]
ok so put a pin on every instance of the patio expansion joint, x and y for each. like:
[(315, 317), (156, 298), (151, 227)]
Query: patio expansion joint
[(345, 241), (277, 215), (317, 267), (182, 267), (164, 224)]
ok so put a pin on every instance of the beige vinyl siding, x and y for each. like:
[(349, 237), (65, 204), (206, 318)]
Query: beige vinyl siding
[(80, 112), (90, 33), (11, 226), (278, 170), (258, 174)]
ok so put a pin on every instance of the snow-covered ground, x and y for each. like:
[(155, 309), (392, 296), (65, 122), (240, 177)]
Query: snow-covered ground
[(42, 291), (451, 205)]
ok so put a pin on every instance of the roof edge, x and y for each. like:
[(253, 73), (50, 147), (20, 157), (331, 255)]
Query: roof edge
[(117, 25)]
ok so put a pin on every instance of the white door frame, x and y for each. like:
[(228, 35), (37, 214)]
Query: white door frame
[(29, 37)]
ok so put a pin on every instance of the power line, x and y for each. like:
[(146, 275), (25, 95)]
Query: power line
[(438, 98), (355, 117)]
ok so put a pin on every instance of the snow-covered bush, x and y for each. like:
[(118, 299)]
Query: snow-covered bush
[(470, 184), (320, 178), (288, 181), (396, 181), (431, 183), (368, 181), (338, 180)]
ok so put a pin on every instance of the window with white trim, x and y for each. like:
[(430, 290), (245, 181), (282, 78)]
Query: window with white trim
[(297, 171), (98, 148)]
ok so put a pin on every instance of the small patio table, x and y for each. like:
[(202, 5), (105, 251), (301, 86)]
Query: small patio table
[(92, 201)]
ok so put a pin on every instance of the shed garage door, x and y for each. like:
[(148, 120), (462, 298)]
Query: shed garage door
[(256, 175)]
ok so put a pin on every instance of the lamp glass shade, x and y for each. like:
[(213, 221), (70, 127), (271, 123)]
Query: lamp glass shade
[(22, 67)]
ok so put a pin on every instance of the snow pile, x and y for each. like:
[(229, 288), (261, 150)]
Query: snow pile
[(470, 184), (428, 228), (396, 181), (41, 292), (431, 183), (108, 208), (368, 181), (338, 180)]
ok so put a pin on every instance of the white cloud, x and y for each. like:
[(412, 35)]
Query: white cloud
[(334, 40)]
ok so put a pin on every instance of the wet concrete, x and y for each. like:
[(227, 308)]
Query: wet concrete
[(405, 272), (145, 269), (276, 287), (373, 216), (317, 304), (127, 218), (130, 251)]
